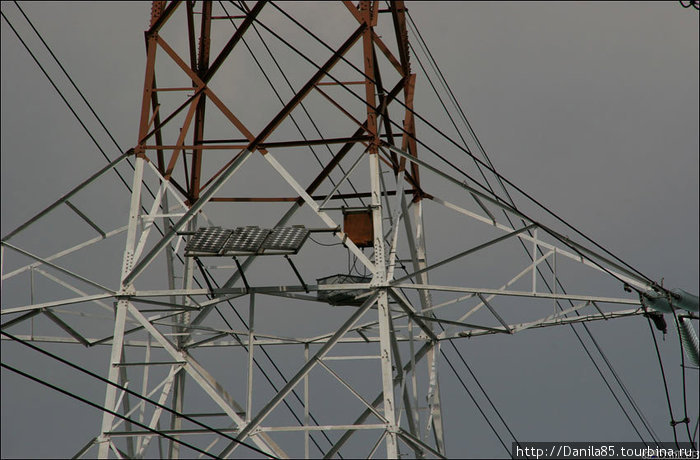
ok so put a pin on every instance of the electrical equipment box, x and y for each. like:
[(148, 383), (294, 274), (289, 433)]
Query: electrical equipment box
[(358, 226)]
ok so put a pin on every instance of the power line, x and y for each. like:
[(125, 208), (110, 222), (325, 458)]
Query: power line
[(97, 406), (68, 76), (446, 87), (274, 365), (663, 376), (303, 107), (131, 392), (685, 420), (458, 169), (129, 188), (474, 401), (60, 93), (432, 126)]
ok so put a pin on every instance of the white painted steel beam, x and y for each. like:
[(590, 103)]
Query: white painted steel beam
[(265, 411)]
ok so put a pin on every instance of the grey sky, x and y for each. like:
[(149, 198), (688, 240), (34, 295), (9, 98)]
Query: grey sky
[(592, 108)]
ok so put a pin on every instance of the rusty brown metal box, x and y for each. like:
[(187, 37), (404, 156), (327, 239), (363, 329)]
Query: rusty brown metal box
[(357, 224)]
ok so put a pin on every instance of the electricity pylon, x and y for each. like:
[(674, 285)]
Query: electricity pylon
[(335, 273)]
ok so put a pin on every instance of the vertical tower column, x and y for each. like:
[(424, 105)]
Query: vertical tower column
[(128, 258), (369, 12)]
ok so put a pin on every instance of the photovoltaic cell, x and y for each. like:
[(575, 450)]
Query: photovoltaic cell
[(245, 240), (207, 241), (286, 239)]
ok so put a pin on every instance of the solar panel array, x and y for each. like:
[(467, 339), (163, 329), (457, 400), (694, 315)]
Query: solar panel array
[(217, 241)]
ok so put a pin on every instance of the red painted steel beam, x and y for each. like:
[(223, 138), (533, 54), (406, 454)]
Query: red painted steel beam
[(306, 88)]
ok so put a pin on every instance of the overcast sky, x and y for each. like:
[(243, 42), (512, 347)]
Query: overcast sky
[(592, 108)]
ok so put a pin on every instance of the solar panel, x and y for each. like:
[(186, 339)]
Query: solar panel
[(217, 241), (245, 240), (286, 239), (207, 241)]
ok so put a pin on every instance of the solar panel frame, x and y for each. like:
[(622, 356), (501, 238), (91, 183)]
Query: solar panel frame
[(207, 241), (251, 240), (285, 240), (245, 240)]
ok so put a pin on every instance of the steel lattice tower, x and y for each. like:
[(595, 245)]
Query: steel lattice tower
[(335, 273)]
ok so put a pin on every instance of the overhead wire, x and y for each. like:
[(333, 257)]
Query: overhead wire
[(274, 89), (97, 406), (607, 361), (446, 87), (129, 188), (274, 365), (131, 392), (113, 139), (686, 419), (500, 178), (60, 93), (452, 141), (447, 161), (301, 104), (663, 377), (500, 440), (483, 390), (565, 240)]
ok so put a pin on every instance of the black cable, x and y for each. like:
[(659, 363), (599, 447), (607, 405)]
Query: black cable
[(97, 406), (462, 172), (493, 406), (685, 420), (325, 244), (693, 3), (70, 107), (443, 135), (663, 376), (561, 238), (464, 118), (131, 392), (65, 72), (68, 76), (449, 115), (267, 377), (107, 158), (274, 89), (623, 387), (447, 88), (476, 403), (303, 107), (456, 168)]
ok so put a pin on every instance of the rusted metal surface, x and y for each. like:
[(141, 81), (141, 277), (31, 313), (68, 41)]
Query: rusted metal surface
[(359, 228), (287, 199), (202, 68), (190, 153)]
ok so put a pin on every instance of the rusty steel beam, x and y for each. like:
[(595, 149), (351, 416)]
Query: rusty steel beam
[(158, 18), (201, 69), (289, 199), (250, 18), (299, 96), (336, 140)]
